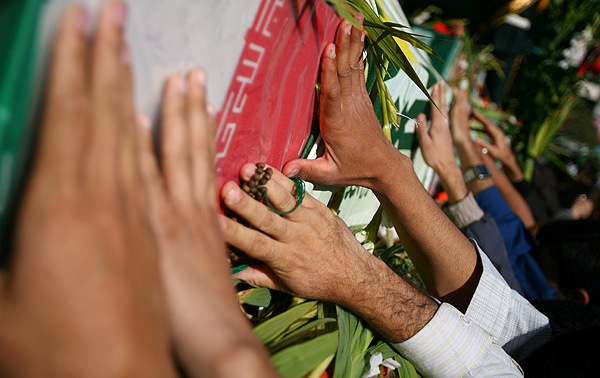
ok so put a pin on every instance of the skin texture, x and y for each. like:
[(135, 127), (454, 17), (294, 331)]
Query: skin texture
[(83, 295), (437, 149), (357, 153), (201, 301), (118, 262), (312, 254), (500, 150), (468, 153)]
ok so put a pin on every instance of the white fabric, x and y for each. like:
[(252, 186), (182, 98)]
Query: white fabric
[(514, 323), (497, 323)]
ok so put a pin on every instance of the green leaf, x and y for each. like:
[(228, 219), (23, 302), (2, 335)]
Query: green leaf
[(318, 371), (388, 45), (354, 339), (299, 360), (270, 329), (260, 297), (343, 10), (309, 329)]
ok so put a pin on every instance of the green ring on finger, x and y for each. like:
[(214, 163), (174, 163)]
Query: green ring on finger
[(300, 192)]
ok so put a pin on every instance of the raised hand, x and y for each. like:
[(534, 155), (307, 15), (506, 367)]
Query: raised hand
[(312, 254), (309, 253), (83, 296), (459, 117), (498, 149), (436, 146), (210, 334), (356, 149)]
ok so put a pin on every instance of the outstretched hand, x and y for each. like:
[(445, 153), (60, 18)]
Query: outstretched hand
[(436, 146), (310, 253), (355, 147), (83, 295), (460, 113), (498, 149), (183, 204)]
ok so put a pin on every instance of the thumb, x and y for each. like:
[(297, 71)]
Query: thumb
[(320, 170), (259, 275)]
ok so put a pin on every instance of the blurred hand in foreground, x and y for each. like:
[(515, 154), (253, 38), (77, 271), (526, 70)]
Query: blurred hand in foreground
[(83, 296)]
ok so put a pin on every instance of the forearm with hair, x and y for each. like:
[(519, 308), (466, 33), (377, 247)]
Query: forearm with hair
[(433, 243), (391, 306)]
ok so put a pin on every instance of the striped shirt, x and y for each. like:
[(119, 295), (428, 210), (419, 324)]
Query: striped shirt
[(498, 324)]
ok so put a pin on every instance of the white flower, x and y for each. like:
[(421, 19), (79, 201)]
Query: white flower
[(576, 53), (377, 360)]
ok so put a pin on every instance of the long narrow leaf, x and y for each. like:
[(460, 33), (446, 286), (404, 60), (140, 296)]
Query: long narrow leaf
[(269, 330), (300, 359), (311, 328), (353, 342)]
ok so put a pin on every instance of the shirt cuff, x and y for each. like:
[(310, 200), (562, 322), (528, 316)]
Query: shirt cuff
[(464, 212), (450, 345)]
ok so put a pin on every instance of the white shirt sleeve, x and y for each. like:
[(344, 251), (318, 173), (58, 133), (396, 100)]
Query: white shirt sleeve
[(513, 322), (451, 345), (498, 322)]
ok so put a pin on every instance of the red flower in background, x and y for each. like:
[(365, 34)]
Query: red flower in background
[(597, 66), (441, 28)]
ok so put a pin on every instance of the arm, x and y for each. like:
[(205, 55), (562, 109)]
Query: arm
[(462, 208), (357, 153), (341, 270), (500, 150), (461, 137), (517, 238), (511, 195), (210, 334), (83, 294), (312, 254)]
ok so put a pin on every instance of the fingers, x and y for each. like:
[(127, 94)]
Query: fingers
[(187, 141), (248, 170), (111, 98), (487, 148), (494, 131), (315, 170), (439, 117), (488, 161), (201, 138), (254, 243), (343, 61), (460, 96), (279, 189), (356, 63), (150, 172), (349, 48), (67, 99), (260, 276), (257, 214), (424, 138), (330, 101), (175, 155)]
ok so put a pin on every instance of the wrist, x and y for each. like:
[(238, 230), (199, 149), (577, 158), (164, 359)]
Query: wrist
[(390, 305), (393, 167), (512, 170), (453, 183)]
